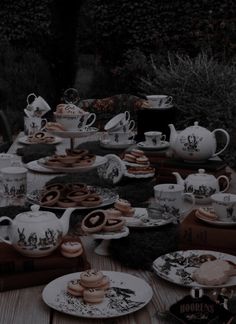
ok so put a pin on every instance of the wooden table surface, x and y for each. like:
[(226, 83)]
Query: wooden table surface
[(25, 306)]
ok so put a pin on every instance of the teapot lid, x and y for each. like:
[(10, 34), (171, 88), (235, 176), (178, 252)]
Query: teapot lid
[(35, 215)]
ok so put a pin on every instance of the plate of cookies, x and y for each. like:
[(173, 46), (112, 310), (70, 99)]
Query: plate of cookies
[(72, 163), (137, 165), (197, 268), (97, 294), (40, 138), (76, 195)]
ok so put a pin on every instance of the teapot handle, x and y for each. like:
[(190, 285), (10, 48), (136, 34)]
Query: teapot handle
[(227, 140), (10, 220), (227, 182)]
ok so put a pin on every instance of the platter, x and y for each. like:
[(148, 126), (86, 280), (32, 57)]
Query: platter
[(36, 167), (98, 161), (112, 145), (178, 267), (126, 295), (141, 220), (108, 198), (73, 134), (25, 140), (163, 145)]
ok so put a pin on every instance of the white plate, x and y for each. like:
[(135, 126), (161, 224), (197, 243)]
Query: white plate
[(163, 145), (98, 161), (73, 134), (178, 267), (34, 166), (141, 214), (108, 198), (126, 295), (113, 145), (214, 222), (113, 170), (24, 140)]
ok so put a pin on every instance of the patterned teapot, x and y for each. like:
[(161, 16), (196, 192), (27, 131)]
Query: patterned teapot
[(202, 185), (37, 233), (196, 143)]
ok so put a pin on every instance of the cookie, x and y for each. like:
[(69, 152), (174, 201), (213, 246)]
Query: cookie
[(66, 203), (113, 212), (122, 205), (94, 221), (71, 249), (129, 158), (75, 288), (137, 153), (105, 283), (92, 200), (50, 198), (113, 225), (91, 278), (93, 295), (78, 195), (142, 160), (55, 186)]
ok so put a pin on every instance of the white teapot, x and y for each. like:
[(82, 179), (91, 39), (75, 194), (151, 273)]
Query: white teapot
[(196, 143), (202, 185), (37, 233)]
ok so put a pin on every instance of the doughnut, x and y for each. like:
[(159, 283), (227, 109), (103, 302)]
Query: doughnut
[(213, 273), (55, 186), (137, 153), (122, 205), (94, 221), (92, 200), (91, 278), (50, 198), (71, 249), (112, 212), (93, 295), (75, 288), (66, 203), (113, 224), (78, 195)]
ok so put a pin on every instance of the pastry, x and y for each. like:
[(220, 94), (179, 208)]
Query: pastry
[(137, 153), (71, 249), (67, 159), (129, 158), (76, 186), (53, 126), (122, 205), (105, 283), (141, 170), (50, 198), (77, 152), (53, 161), (94, 221), (130, 212), (113, 225), (55, 186), (142, 160), (66, 203), (113, 212), (91, 278), (207, 212), (93, 295), (78, 195), (92, 200), (75, 288)]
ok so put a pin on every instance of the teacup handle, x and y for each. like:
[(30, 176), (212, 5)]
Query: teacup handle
[(220, 130), (30, 95), (227, 182), (131, 125), (127, 115), (192, 198), (169, 100), (1, 220), (93, 116), (131, 137), (163, 137), (43, 123)]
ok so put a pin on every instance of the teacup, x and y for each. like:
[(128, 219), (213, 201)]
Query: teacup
[(6, 160), (117, 122), (75, 122), (14, 184), (126, 128), (36, 106), (119, 137), (159, 101), (224, 205), (33, 125), (154, 138), (170, 200)]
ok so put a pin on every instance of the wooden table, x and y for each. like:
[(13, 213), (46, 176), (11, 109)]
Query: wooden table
[(25, 306)]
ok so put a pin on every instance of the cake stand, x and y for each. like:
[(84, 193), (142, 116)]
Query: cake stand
[(102, 248)]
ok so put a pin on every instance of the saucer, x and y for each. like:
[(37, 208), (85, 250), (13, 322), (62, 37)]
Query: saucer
[(113, 145), (214, 222), (163, 145), (162, 107)]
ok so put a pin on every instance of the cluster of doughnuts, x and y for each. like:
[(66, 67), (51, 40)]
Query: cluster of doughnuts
[(91, 286), (213, 272), (69, 195), (136, 156), (98, 221), (40, 137), (72, 158), (71, 249)]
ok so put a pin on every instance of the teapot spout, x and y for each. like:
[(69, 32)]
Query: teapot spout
[(173, 134), (178, 177), (65, 220)]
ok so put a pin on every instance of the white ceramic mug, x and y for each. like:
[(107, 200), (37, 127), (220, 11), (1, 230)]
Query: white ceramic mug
[(33, 125), (159, 101), (36, 106), (170, 198), (117, 122), (76, 122), (120, 137), (14, 184), (224, 205), (154, 138)]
